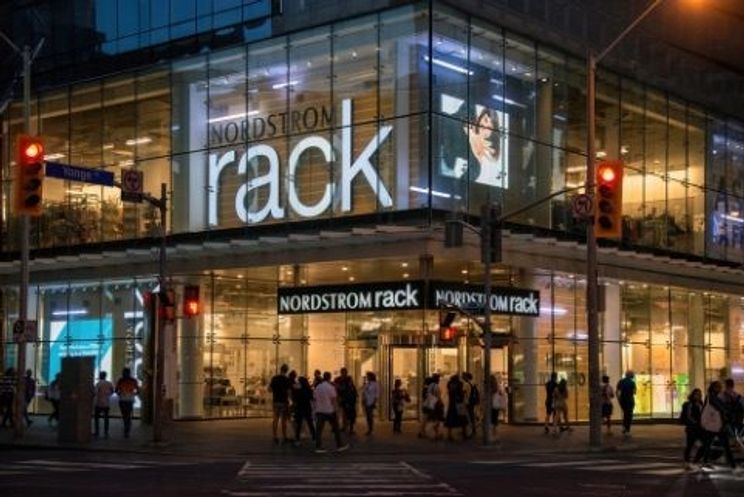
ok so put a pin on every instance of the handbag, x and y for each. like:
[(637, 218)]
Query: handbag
[(710, 419), (498, 401)]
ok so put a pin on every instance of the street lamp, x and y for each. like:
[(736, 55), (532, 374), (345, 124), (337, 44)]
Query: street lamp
[(595, 394)]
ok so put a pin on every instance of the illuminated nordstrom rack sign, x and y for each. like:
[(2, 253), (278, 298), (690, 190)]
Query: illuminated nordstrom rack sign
[(405, 295), (262, 191)]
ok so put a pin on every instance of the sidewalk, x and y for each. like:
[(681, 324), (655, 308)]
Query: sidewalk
[(246, 437)]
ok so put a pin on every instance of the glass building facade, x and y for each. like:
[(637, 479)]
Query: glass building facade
[(419, 108)]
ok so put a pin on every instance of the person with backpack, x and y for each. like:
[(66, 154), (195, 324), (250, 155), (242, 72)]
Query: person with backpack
[(733, 402), (715, 424), (473, 400), (690, 418), (607, 395), (347, 399), (398, 399), (127, 388), (626, 391), (432, 407)]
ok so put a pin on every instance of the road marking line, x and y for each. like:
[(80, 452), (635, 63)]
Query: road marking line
[(663, 472), (501, 461), (89, 465), (613, 467), (415, 471), (570, 463)]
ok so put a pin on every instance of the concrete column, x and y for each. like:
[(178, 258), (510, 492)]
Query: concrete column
[(543, 152), (696, 341), (611, 325), (526, 331), (191, 360)]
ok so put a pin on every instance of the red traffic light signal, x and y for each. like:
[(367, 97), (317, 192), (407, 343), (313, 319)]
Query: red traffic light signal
[(608, 200), (447, 332), (29, 178), (191, 302)]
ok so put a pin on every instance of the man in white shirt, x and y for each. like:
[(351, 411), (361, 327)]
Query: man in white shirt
[(103, 391), (370, 394), (325, 411)]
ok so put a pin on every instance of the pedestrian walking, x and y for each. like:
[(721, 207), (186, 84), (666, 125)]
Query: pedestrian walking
[(690, 418), (302, 399), (317, 378), (7, 397), (473, 400), (280, 388), (608, 393), (53, 394), (399, 397), (499, 403), (457, 413), (560, 408), (370, 394), (29, 392), (127, 388), (432, 408), (325, 396), (550, 386), (626, 391), (347, 399), (715, 424), (104, 390)]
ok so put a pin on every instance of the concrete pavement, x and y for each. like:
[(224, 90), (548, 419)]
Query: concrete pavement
[(243, 437)]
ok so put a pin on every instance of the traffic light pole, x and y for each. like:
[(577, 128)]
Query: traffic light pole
[(592, 318), (20, 394), (487, 335)]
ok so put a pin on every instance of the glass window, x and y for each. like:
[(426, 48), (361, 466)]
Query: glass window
[(153, 114), (355, 68)]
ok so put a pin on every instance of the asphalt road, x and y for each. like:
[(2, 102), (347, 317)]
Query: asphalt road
[(51, 473)]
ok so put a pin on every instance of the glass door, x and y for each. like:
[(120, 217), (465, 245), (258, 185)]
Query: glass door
[(404, 366)]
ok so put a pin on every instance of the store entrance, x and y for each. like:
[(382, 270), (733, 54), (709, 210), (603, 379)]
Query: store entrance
[(412, 364)]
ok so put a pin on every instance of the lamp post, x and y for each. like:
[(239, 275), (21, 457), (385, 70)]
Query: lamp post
[(592, 319)]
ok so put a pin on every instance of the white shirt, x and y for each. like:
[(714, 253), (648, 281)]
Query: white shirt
[(325, 398), (104, 391), (370, 393)]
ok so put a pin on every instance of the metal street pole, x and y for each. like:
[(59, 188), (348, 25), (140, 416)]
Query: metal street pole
[(592, 318), (159, 352), (487, 335), (20, 397)]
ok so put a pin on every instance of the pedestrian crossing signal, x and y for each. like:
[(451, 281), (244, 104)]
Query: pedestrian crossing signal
[(29, 178)]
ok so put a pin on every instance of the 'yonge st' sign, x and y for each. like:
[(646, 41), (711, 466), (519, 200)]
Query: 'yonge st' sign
[(262, 191), (406, 295)]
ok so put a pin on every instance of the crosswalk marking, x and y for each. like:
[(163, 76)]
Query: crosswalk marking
[(28, 466), (661, 467), (359, 479)]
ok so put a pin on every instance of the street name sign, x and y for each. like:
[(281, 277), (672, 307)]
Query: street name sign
[(82, 174)]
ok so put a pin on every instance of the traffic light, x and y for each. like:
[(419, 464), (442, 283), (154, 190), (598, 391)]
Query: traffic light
[(29, 178), (191, 303), (491, 244), (447, 332), (608, 200)]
